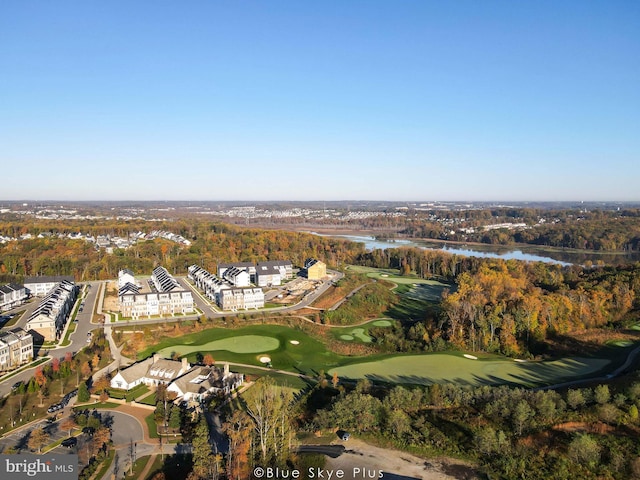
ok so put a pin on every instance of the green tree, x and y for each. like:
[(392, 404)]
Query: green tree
[(202, 452), (575, 399), (83, 393), (521, 415), (174, 417), (601, 394), (584, 449)]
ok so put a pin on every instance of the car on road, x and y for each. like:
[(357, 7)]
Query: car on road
[(69, 442), (55, 407), (16, 386), (89, 430), (345, 436)]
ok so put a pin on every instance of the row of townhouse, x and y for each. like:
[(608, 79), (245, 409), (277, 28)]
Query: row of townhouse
[(42, 285), (190, 383), (207, 282), (227, 296), (163, 280), (16, 348), (170, 299), (51, 315), (12, 295), (263, 274), (241, 298), (136, 305)]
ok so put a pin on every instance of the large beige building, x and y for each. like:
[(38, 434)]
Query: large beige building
[(241, 298), (316, 270)]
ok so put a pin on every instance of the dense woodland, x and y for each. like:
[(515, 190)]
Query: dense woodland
[(509, 307), (513, 433), (212, 243)]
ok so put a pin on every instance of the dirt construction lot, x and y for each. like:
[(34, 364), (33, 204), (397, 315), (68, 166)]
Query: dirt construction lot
[(362, 460)]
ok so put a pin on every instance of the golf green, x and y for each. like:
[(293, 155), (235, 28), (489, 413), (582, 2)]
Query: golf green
[(382, 323), (240, 344), (446, 368)]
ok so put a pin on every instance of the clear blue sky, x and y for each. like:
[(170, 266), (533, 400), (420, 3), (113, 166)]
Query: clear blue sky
[(303, 100)]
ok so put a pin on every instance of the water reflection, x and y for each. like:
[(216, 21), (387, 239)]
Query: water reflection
[(499, 251)]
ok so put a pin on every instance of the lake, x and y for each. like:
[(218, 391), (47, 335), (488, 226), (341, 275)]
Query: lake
[(527, 253)]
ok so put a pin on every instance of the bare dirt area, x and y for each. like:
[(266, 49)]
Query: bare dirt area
[(361, 460), (111, 303)]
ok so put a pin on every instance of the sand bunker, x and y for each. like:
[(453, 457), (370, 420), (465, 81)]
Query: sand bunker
[(264, 359), (470, 357), (294, 342)]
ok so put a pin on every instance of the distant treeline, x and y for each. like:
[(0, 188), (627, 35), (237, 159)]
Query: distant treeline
[(598, 230), (212, 243)]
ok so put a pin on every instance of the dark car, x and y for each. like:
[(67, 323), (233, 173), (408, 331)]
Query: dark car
[(69, 442), (345, 436), (89, 430), (55, 408), (16, 386)]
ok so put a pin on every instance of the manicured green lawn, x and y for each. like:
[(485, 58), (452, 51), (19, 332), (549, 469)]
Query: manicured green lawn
[(240, 344), (455, 368), (360, 333), (281, 379), (308, 356)]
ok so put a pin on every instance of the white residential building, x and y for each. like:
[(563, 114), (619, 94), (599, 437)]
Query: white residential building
[(249, 267), (12, 295), (207, 282), (237, 277), (153, 371), (137, 305), (51, 315), (163, 280), (40, 286), (126, 276), (241, 298), (16, 348), (201, 382)]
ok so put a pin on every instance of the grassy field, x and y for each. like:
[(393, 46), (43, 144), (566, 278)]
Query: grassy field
[(310, 356), (307, 356), (241, 344), (455, 368), (360, 333)]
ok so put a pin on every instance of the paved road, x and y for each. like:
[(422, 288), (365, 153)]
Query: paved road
[(78, 339)]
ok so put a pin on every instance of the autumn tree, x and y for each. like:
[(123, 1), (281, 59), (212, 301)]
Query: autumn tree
[(270, 409), (208, 360), (68, 424), (238, 431), (38, 439)]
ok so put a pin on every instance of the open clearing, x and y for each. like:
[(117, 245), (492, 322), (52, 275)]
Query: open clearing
[(454, 368)]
